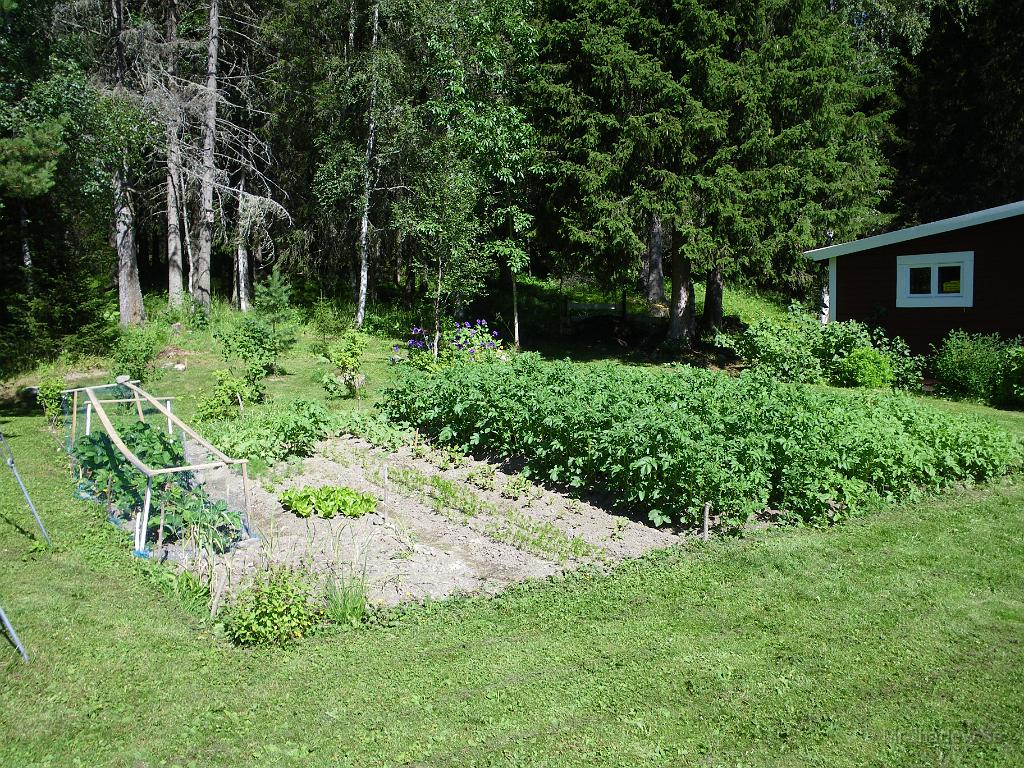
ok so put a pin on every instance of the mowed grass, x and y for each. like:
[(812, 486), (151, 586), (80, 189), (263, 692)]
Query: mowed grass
[(895, 639)]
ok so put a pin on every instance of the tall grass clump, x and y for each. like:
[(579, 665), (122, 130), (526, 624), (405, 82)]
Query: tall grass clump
[(669, 441)]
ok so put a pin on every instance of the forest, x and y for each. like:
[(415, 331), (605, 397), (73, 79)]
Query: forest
[(430, 155)]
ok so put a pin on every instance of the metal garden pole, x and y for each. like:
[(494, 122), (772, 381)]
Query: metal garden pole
[(13, 635), (9, 458), (142, 521)]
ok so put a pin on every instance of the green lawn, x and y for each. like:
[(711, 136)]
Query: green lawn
[(895, 639)]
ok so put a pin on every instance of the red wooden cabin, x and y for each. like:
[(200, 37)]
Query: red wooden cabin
[(920, 283)]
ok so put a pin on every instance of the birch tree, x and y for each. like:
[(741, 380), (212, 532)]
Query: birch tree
[(367, 171)]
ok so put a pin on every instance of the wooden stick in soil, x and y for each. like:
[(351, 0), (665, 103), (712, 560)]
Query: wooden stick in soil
[(707, 516), (74, 416)]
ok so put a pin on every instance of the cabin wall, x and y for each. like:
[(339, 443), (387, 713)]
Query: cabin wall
[(866, 285)]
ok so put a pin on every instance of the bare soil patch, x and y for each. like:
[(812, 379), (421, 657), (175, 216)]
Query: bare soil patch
[(443, 525)]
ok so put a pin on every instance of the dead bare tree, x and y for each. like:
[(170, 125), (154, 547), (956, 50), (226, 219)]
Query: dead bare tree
[(175, 285), (201, 267), (129, 290)]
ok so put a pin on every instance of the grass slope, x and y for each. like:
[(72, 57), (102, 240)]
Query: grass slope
[(893, 640)]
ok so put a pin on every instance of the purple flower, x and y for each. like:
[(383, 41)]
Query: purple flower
[(494, 334), (472, 351)]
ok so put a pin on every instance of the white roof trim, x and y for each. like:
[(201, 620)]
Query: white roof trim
[(921, 230)]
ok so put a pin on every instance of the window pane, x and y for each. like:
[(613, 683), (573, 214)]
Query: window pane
[(921, 280), (949, 279)]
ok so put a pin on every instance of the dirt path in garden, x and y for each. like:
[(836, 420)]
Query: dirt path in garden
[(443, 525)]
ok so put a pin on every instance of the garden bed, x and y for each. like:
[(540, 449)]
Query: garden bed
[(443, 525)]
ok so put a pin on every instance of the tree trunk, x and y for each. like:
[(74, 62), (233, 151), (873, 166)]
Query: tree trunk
[(26, 249), (188, 235), (711, 319), (350, 46), (175, 285), (515, 311), (682, 320), (175, 280), (243, 288), (364, 224), (129, 291), (652, 278), (201, 267)]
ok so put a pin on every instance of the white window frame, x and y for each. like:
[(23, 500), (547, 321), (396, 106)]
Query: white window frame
[(962, 259)]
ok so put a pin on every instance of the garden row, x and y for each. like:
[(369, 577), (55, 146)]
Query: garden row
[(670, 440)]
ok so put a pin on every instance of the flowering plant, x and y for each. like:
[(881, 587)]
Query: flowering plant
[(466, 341)]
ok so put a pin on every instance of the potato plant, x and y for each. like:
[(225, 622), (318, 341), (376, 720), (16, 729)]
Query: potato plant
[(668, 441)]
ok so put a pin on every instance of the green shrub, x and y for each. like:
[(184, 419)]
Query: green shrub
[(327, 501), (864, 367), (252, 342), (1011, 378), (229, 397), (969, 364), (51, 397), (134, 352), (343, 359), (274, 431), (907, 368), (277, 608), (326, 322), (802, 350), (669, 441), (273, 306)]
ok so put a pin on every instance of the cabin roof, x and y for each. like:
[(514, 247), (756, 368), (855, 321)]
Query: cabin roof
[(921, 230)]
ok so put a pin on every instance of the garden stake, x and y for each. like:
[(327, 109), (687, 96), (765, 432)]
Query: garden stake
[(170, 422), (74, 416), (13, 635), (88, 418), (707, 514), (160, 531), (9, 458)]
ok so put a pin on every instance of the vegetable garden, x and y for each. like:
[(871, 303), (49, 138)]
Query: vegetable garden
[(669, 441)]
